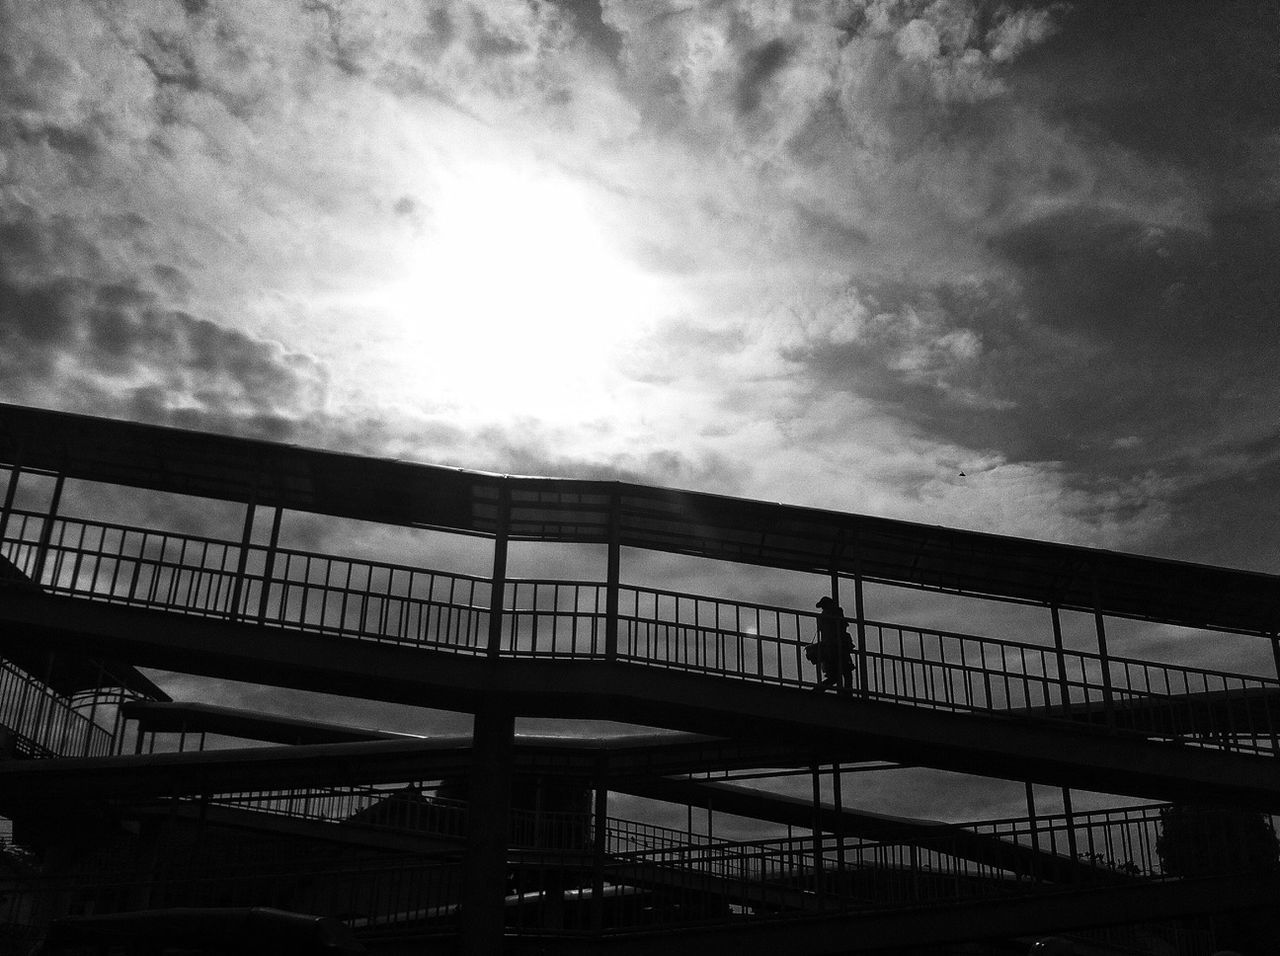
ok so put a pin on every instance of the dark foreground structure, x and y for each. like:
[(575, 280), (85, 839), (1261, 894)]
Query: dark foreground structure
[(120, 800)]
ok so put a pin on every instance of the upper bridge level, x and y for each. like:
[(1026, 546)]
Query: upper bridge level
[(223, 587)]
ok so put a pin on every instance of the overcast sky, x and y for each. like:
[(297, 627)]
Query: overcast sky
[(827, 253), (824, 253)]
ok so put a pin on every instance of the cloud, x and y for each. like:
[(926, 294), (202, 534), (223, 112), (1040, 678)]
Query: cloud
[(918, 234), (87, 340)]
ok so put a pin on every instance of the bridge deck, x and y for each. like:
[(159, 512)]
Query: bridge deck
[(543, 620), (1063, 753)]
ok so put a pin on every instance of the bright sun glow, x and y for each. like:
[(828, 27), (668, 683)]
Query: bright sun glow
[(519, 303)]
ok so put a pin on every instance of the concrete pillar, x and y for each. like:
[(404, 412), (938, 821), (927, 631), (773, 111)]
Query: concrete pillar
[(484, 869)]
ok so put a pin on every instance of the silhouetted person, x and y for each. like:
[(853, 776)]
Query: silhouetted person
[(835, 646)]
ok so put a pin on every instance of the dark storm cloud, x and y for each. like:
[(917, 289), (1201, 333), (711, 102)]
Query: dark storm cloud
[(1128, 330), (170, 60), (760, 67), (1190, 82), (115, 346)]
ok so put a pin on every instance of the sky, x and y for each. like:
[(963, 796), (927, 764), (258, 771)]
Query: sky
[(826, 253)]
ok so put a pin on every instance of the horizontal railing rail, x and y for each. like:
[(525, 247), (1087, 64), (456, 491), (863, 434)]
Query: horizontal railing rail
[(387, 602)]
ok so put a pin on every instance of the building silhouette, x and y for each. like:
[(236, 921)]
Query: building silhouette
[(119, 799)]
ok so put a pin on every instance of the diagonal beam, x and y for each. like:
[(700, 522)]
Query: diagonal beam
[(793, 811)]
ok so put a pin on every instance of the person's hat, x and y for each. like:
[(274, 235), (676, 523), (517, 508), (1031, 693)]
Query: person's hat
[(825, 601)]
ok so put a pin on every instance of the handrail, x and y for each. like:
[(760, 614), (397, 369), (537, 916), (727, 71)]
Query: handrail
[(388, 602)]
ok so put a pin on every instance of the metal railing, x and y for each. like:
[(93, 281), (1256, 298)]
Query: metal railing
[(45, 724), (386, 602), (555, 887), (1118, 843), (412, 808)]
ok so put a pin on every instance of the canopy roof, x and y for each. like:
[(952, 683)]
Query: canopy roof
[(659, 519)]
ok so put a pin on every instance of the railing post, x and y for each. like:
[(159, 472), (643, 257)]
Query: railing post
[(269, 568), (46, 532), (614, 571), (864, 689), (1035, 831), (1107, 699), (837, 798), (817, 836), (1063, 690), (1275, 651), (499, 585), (1070, 820), (11, 490), (237, 590)]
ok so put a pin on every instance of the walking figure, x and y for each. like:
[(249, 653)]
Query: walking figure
[(834, 647)]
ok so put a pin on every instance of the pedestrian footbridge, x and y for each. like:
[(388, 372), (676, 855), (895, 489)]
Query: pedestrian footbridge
[(723, 684)]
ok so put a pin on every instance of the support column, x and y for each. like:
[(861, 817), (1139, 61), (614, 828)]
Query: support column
[(484, 868), (817, 835), (613, 572), (499, 585), (600, 848), (837, 797)]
